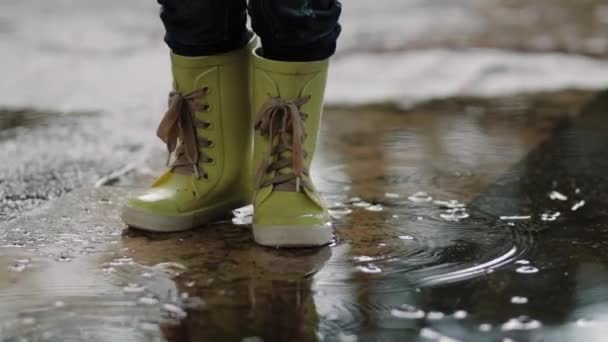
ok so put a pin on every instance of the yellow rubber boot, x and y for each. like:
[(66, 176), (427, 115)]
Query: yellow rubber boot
[(287, 101), (207, 130)]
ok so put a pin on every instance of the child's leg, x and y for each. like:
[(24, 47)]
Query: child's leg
[(204, 27), (296, 30)]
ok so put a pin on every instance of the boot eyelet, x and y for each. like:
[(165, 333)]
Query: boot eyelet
[(209, 125), (207, 107), (211, 144), (211, 161), (206, 90), (205, 176)]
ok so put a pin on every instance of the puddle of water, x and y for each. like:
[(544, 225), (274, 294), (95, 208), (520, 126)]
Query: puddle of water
[(400, 272)]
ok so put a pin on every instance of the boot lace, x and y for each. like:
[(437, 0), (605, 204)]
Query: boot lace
[(178, 130), (283, 123)]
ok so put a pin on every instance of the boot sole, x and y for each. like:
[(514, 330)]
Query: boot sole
[(293, 236), (144, 220)]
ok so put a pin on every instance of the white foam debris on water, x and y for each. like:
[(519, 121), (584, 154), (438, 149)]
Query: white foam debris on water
[(434, 335), (363, 258), (391, 195), (420, 197), (585, 323), (451, 204), (485, 327), (369, 268), (519, 300), (527, 270), (521, 323), (375, 207), (523, 262), (435, 315), (550, 217), (406, 311), (515, 218), (578, 205), (460, 314), (406, 237), (339, 212), (455, 215), (362, 204), (557, 196)]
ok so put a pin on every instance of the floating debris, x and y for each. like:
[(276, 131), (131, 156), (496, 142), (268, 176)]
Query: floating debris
[(585, 323), (431, 334), (455, 215), (557, 196), (391, 195), (435, 315), (362, 204), (550, 217), (515, 217), (64, 257), (420, 197), (369, 268), (451, 204), (338, 213), (578, 205), (527, 270), (407, 312), (519, 300), (375, 207), (363, 258), (523, 262), (121, 261), (243, 211), (406, 237), (485, 327), (460, 314), (521, 323)]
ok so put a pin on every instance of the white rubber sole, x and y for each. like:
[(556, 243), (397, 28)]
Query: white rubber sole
[(144, 220), (290, 236)]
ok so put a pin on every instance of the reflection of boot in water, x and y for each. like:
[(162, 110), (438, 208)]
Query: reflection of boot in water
[(268, 294), (282, 306)]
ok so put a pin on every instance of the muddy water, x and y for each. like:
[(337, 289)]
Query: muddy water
[(466, 219)]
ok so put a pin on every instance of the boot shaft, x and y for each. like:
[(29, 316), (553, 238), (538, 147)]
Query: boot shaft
[(289, 81)]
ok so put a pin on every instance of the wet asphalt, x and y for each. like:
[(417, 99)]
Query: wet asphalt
[(458, 218)]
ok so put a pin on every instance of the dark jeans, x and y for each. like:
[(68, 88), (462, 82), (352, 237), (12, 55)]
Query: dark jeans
[(290, 30)]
